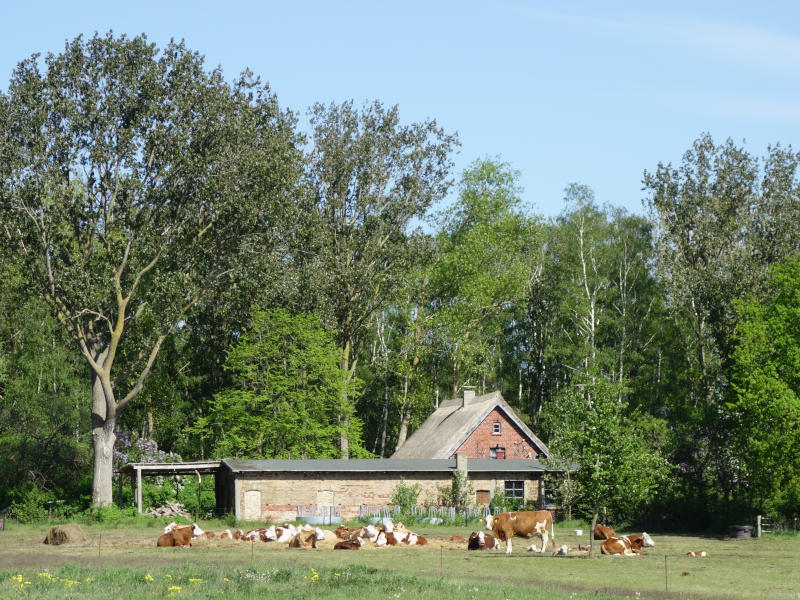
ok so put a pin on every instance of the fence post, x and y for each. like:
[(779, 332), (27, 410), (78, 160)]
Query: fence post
[(758, 526)]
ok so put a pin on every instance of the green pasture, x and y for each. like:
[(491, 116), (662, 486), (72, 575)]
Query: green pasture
[(123, 562)]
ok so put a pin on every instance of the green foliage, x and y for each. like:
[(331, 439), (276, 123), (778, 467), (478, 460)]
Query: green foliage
[(290, 398), (503, 503), (406, 496), (29, 503), (764, 407), (198, 499), (460, 494), (592, 429)]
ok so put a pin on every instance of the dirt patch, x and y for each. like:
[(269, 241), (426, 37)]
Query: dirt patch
[(66, 534)]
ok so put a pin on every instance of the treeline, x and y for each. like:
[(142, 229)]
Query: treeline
[(182, 265)]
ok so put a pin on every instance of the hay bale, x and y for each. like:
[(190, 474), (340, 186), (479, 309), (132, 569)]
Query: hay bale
[(66, 534)]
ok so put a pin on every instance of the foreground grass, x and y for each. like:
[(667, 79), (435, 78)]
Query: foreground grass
[(210, 581), (117, 562)]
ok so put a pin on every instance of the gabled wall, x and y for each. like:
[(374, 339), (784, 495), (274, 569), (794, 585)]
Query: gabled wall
[(478, 445)]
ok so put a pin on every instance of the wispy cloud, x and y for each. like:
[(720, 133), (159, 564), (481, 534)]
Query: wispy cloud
[(741, 44)]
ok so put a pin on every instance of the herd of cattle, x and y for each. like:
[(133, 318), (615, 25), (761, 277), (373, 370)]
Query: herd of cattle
[(504, 527), (350, 538)]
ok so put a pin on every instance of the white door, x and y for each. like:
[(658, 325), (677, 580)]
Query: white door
[(252, 505)]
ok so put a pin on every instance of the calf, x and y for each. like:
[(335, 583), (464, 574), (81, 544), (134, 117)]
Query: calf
[(347, 545), (601, 532), (523, 524), (700, 553), (621, 545), (481, 541)]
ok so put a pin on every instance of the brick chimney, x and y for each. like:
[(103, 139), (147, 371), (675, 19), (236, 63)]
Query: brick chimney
[(469, 395)]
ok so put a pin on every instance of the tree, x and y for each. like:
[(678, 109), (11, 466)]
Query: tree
[(287, 398), (487, 253), (369, 177), (721, 220), (134, 184), (592, 429), (764, 404)]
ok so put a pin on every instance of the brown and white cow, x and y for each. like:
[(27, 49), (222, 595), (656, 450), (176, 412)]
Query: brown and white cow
[(621, 545), (481, 541), (176, 536), (601, 532), (699, 553), (304, 539), (347, 545), (644, 540), (524, 524)]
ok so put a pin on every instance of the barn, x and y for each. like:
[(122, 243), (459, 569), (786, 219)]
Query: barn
[(478, 435)]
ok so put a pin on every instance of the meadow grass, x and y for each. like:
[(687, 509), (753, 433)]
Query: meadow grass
[(117, 563)]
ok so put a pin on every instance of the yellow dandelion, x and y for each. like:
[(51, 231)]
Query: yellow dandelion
[(89, 580), (175, 589), (225, 579), (168, 576), (148, 577), (17, 578), (195, 580)]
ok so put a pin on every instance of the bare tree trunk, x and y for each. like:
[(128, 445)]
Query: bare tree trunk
[(104, 419), (405, 417), (591, 531), (385, 414)]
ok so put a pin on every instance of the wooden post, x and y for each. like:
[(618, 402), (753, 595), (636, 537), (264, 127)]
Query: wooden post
[(666, 586), (139, 489), (758, 526)]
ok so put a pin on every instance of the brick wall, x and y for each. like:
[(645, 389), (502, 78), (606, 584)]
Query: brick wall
[(511, 438), (280, 493)]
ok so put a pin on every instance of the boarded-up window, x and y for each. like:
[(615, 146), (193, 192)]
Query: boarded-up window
[(498, 453), (252, 505), (482, 496), (324, 498)]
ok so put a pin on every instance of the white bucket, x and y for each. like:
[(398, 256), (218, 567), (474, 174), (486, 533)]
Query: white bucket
[(579, 532)]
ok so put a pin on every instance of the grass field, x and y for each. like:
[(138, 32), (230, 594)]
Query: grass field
[(123, 562)]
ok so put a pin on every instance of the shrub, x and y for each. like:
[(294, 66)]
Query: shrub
[(406, 496), (29, 503)]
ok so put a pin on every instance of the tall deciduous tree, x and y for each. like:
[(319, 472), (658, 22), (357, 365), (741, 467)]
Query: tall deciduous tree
[(287, 399), (488, 250), (134, 183), (370, 177)]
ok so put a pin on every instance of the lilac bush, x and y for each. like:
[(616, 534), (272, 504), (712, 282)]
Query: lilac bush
[(141, 450)]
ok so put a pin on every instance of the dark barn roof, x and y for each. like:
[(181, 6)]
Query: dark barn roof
[(382, 465)]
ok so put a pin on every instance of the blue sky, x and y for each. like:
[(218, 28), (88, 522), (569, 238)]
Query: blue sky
[(589, 92)]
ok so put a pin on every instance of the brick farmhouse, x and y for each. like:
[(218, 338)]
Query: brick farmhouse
[(478, 435), (481, 436)]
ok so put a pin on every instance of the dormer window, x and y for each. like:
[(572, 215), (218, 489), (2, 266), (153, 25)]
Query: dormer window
[(496, 428)]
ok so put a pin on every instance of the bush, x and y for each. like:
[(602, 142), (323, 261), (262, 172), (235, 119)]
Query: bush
[(503, 502), (406, 496), (29, 503)]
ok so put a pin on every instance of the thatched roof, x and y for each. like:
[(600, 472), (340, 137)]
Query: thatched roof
[(451, 424)]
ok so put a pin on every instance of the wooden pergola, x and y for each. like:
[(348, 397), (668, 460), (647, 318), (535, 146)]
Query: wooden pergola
[(137, 470)]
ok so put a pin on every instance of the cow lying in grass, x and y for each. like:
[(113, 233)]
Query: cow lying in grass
[(481, 541), (625, 545), (601, 532)]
